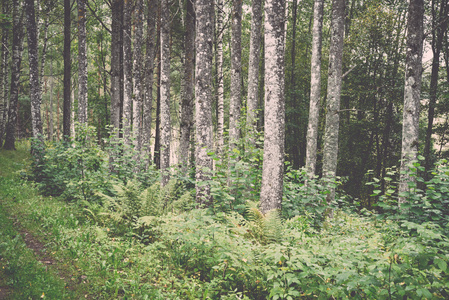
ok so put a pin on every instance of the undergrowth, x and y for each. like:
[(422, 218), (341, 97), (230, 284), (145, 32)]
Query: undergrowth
[(130, 238)]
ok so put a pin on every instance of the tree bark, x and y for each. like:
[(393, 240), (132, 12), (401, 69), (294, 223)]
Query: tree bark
[(253, 69), (137, 76), (220, 83), (203, 99), (67, 73), (412, 91), (4, 74), (440, 25), (187, 92), (273, 157), (82, 61), (330, 154), (149, 63), (35, 93), (116, 49), (315, 88), (127, 72), (17, 50), (165, 92), (236, 73)]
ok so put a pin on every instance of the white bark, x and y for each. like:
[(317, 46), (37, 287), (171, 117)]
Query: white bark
[(253, 69), (412, 91), (82, 61), (315, 88), (333, 95), (137, 77), (273, 157), (203, 99), (165, 92), (220, 89)]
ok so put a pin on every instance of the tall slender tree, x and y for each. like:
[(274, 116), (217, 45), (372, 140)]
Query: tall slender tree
[(203, 99), (67, 71), (137, 75), (4, 73), (35, 94), (236, 73), (220, 82), (440, 21), (315, 88), (412, 93), (116, 50), (149, 71), (127, 71), (82, 61), (253, 68), (273, 156), (333, 94), (165, 92), (17, 49), (187, 93)]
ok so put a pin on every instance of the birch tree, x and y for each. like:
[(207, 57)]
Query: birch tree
[(4, 73), (315, 88), (203, 99), (274, 120), (412, 91), (116, 50), (149, 71), (253, 68), (333, 95), (17, 50), (137, 76), (82, 61), (67, 72), (165, 92), (236, 73), (127, 71), (220, 83), (35, 88), (187, 92)]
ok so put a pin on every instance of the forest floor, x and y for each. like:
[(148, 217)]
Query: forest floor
[(28, 268)]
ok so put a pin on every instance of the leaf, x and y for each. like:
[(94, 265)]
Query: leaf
[(441, 264)]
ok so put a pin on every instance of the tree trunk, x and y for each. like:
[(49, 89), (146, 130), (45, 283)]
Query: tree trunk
[(127, 72), (330, 154), (203, 99), (236, 73), (116, 49), (17, 50), (440, 25), (82, 61), (273, 157), (149, 67), (137, 76), (51, 101), (315, 88), (4, 74), (187, 92), (253, 69), (412, 91), (35, 93), (220, 84), (67, 73)]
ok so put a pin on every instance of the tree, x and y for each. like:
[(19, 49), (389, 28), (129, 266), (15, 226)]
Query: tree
[(253, 69), (187, 92), (412, 93), (203, 99), (236, 73), (82, 61), (333, 95), (137, 76), (220, 83), (315, 88), (273, 157), (149, 67), (440, 21), (35, 87), (4, 73), (116, 52), (127, 71), (17, 49), (165, 92), (67, 71)]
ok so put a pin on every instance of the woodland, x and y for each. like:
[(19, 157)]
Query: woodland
[(225, 149)]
